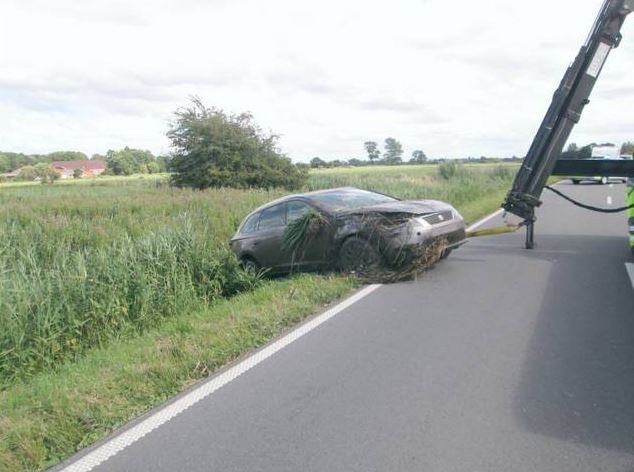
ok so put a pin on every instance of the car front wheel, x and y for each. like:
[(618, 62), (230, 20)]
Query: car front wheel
[(358, 255)]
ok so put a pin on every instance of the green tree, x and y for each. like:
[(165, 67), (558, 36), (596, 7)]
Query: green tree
[(128, 161), (316, 162), (77, 173), (45, 172), (213, 149), (393, 151), (66, 156), (153, 167), (418, 157), (27, 173), (373, 150)]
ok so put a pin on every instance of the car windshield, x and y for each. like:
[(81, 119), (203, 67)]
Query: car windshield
[(350, 199)]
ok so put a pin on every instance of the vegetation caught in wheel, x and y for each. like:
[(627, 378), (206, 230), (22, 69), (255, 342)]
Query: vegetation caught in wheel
[(358, 256)]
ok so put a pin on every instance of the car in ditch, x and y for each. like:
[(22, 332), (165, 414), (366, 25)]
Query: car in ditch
[(351, 230)]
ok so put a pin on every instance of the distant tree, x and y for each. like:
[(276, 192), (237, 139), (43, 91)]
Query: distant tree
[(163, 163), (356, 162), (316, 162), (27, 173), (45, 172), (128, 161), (213, 149), (77, 173), (66, 156), (585, 152), (418, 157), (575, 152), (372, 148), (627, 148), (5, 164), (393, 151), (153, 167)]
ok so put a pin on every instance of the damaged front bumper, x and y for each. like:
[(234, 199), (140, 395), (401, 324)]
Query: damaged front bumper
[(420, 233)]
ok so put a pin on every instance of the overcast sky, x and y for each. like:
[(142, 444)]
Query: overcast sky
[(453, 78)]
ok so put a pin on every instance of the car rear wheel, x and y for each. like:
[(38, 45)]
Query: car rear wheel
[(604, 180), (358, 255), (250, 265), (575, 181)]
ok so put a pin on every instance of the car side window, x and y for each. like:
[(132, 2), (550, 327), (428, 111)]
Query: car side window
[(295, 209), (273, 217), (250, 225)]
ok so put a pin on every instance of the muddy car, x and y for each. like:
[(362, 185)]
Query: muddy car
[(353, 229)]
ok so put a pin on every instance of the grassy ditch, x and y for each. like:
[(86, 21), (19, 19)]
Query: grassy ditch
[(82, 265), (56, 413)]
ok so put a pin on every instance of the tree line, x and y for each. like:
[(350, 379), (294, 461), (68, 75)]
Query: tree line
[(126, 161), (573, 151), (211, 148)]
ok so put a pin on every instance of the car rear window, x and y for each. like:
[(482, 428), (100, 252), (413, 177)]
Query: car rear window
[(250, 224), (273, 217), (350, 199)]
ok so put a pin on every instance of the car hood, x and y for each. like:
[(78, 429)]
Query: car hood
[(414, 207)]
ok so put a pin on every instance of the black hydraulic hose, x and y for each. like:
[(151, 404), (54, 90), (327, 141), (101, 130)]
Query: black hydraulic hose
[(590, 207)]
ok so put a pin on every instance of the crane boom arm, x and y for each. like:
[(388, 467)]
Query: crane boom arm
[(565, 109)]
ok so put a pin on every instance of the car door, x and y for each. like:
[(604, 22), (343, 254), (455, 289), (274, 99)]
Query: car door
[(269, 248), (313, 253)]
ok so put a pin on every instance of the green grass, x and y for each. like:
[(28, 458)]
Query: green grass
[(113, 294), (56, 413), (85, 264)]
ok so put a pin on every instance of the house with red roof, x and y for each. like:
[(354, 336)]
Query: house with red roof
[(89, 168)]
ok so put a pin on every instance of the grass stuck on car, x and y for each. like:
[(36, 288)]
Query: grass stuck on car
[(347, 229)]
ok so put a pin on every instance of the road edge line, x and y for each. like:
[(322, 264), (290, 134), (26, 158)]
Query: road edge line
[(121, 441)]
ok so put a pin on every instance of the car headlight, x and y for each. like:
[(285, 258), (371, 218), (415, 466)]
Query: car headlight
[(420, 220)]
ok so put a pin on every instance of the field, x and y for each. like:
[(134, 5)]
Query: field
[(101, 279)]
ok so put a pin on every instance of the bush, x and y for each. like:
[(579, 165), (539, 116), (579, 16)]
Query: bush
[(212, 149), (447, 170)]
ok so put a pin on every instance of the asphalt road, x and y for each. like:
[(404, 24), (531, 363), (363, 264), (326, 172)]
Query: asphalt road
[(498, 359)]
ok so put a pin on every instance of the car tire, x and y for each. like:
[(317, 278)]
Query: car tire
[(357, 255), (250, 265), (445, 254), (575, 181), (604, 180)]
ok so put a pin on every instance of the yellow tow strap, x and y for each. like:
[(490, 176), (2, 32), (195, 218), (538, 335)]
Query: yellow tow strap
[(508, 228)]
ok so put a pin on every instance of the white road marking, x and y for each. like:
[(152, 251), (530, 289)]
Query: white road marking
[(629, 267), (485, 219), (609, 200), (126, 438)]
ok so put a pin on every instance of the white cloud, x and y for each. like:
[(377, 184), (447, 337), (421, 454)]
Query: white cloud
[(452, 78)]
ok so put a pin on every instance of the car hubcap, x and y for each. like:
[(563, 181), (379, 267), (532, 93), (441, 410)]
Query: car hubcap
[(358, 256)]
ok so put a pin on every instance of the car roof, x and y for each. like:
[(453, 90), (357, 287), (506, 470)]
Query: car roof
[(306, 195)]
